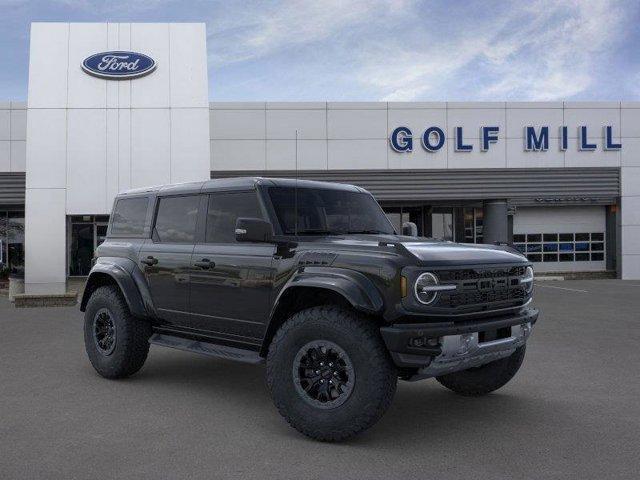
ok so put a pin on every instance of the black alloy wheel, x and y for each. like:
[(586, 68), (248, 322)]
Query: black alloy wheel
[(323, 374), (104, 332)]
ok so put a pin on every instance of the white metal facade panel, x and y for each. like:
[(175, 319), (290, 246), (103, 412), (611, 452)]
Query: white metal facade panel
[(5, 156), (86, 161), (13, 134), (48, 65), (47, 148)]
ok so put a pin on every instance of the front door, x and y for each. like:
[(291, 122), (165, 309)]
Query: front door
[(165, 259), (231, 281)]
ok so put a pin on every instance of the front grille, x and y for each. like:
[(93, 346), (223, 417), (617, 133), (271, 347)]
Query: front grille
[(474, 298), (482, 287), (474, 274)]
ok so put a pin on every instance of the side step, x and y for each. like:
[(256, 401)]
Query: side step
[(205, 348)]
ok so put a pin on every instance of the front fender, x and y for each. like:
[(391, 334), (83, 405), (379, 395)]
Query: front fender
[(352, 285), (128, 277)]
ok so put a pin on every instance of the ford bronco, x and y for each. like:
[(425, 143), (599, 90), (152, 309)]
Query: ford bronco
[(312, 279)]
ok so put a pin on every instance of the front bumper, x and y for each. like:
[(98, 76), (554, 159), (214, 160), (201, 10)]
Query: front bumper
[(440, 348)]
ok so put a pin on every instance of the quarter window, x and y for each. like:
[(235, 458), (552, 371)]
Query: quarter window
[(224, 210), (129, 216), (176, 219)]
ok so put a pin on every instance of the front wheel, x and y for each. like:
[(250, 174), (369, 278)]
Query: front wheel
[(329, 373), (478, 381)]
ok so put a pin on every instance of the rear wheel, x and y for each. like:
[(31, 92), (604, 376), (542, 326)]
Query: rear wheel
[(478, 381), (116, 342), (329, 373)]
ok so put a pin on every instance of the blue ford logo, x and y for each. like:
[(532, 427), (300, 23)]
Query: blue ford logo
[(118, 65)]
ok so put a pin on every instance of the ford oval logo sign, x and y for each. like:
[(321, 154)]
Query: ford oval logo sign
[(118, 65)]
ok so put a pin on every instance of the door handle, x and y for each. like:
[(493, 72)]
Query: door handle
[(205, 263), (149, 260)]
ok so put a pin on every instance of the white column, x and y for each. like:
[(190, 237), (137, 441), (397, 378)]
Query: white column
[(630, 223), (630, 194), (45, 241)]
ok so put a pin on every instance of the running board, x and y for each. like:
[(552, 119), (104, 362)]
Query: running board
[(205, 348)]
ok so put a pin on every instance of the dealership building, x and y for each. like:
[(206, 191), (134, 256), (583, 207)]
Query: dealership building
[(116, 106)]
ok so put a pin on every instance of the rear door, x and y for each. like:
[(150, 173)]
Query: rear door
[(231, 281), (165, 259)]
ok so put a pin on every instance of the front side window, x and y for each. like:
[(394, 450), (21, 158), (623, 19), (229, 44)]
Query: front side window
[(129, 216), (327, 211), (224, 210), (176, 219)]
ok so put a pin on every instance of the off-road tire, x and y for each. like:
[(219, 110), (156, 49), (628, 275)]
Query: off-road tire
[(375, 375), (479, 381), (132, 335)]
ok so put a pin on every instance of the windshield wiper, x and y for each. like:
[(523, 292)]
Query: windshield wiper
[(368, 232), (318, 231)]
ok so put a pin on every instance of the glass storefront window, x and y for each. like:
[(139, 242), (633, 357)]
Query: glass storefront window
[(473, 218), (15, 241), (440, 222), (86, 233), (400, 215), (11, 243), (81, 249), (4, 267), (442, 225)]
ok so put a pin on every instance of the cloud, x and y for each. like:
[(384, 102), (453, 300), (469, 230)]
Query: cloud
[(262, 28), (408, 50), (387, 49), (542, 51)]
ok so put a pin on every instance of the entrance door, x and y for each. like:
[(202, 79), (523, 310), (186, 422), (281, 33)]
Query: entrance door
[(81, 251), (86, 233), (473, 225), (442, 226), (101, 233)]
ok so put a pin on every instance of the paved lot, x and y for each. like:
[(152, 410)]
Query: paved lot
[(572, 412)]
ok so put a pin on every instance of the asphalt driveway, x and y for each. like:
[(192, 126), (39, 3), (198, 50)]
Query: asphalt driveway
[(573, 411)]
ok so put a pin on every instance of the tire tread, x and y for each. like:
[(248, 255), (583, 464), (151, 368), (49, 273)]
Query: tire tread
[(132, 336), (384, 373)]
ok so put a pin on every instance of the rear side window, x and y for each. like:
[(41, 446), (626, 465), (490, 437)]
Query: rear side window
[(224, 210), (176, 219), (129, 216)]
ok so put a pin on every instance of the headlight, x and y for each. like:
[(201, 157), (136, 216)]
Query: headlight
[(527, 280), (426, 288)]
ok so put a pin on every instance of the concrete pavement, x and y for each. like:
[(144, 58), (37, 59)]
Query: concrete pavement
[(573, 411)]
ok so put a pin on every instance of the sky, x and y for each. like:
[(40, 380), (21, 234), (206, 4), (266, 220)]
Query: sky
[(377, 50)]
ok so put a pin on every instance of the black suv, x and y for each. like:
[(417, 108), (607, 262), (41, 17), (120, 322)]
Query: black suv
[(311, 278)]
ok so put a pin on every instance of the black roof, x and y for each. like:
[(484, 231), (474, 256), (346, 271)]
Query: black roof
[(240, 183)]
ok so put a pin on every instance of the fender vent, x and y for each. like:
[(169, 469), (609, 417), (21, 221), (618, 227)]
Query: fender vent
[(317, 258)]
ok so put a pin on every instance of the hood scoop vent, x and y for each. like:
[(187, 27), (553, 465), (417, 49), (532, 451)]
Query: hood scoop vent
[(319, 259)]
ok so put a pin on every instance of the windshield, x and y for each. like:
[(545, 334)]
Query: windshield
[(328, 212)]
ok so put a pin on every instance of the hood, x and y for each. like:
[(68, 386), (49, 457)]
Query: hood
[(448, 253), (430, 251)]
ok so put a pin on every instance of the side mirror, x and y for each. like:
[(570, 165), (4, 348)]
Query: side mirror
[(253, 230), (409, 229)]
